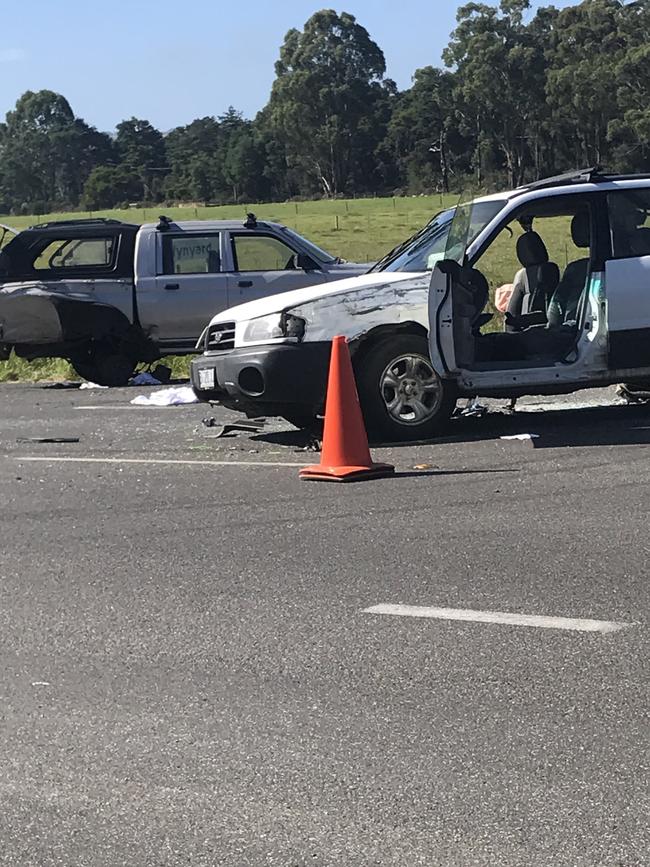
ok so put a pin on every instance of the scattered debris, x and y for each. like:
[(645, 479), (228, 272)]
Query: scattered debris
[(313, 445), (523, 437), (167, 397), (91, 385), (426, 467), (47, 439), (637, 396), (162, 373), (472, 409), (41, 683), (144, 378), (510, 407), (64, 383), (232, 427)]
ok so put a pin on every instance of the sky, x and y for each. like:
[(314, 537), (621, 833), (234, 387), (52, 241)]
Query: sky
[(171, 62)]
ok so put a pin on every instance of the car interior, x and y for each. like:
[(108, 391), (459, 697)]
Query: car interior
[(542, 257)]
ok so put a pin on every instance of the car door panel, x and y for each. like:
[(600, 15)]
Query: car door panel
[(627, 286), (188, 289), (257, 261)]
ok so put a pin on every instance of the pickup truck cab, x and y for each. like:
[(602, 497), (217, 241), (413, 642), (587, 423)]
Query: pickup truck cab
[(107, 294), (575, 250)]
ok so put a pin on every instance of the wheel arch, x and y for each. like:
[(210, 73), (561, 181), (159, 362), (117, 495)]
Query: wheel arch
[(360, 346)]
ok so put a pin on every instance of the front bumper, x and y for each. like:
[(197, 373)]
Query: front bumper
[(265, 380)]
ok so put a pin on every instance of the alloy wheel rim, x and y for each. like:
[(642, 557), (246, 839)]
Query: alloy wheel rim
[(411, 389)]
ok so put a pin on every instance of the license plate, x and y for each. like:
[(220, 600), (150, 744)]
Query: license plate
[(206, 378)]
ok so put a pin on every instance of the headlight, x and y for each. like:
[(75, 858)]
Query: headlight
[(263, 328), (292, 326), (273, 327)]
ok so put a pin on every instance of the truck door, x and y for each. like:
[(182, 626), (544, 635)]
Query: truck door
[(187, 288), (627, 279), (265, 265)]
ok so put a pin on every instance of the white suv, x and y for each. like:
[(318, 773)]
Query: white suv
[(574, 252)]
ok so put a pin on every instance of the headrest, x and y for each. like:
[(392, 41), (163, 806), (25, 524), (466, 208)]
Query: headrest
[(581, 229), (531, 250)]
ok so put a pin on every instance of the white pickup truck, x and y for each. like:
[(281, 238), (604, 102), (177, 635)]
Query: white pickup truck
[(108, 295)]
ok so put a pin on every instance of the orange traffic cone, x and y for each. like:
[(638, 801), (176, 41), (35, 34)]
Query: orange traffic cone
[(345, 456)]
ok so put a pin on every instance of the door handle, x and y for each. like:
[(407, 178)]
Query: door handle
[(172, 286), (244, 284)]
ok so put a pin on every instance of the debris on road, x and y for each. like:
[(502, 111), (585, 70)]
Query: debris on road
[(91, 385), (472, 409), (64, 383), (639, 395), (313, 444), (47, 439), (145, 378), (523, 437), (167, 397), (234, 427)]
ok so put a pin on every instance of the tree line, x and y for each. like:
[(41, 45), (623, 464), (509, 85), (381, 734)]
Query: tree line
[(520, 96)]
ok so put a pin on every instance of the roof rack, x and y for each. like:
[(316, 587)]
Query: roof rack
[(86, 221), (592, 175), (577, 176)]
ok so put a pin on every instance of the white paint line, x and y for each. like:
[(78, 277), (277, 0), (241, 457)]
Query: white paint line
[(574, 624), (46, 460), (128, 406)]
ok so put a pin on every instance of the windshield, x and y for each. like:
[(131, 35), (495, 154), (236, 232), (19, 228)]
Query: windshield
[(314, 251), (469, 221), (422, 250)]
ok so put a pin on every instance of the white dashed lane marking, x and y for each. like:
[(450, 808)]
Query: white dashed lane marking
[(503, 618), (46, 460)]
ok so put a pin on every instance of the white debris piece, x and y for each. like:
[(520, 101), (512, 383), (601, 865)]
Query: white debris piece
[(167, 397), (91, 385), (523, 437)]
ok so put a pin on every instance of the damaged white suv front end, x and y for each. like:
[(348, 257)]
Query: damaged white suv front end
[(270, 357)]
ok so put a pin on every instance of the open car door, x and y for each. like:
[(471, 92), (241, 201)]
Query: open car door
[(442, 301)]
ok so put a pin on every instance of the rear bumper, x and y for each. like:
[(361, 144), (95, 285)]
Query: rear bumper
[(265, 380)]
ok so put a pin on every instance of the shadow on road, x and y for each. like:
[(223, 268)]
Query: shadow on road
[(556, 428)]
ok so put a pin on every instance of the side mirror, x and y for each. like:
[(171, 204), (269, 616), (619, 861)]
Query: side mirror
[(306, 263)]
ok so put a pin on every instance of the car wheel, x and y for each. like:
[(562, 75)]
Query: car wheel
[(401, 395), (113, 369)]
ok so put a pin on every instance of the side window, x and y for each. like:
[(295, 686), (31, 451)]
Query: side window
[(629, 223), (77, 253), (261, 253), (191, 254)]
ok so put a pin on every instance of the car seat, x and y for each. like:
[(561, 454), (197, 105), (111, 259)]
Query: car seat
[(563, 306), (534, 284)]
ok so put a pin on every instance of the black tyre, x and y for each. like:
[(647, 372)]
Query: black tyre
[(401, 395), (112, 369)]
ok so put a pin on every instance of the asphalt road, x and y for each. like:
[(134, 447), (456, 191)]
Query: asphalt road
[(188, 675)]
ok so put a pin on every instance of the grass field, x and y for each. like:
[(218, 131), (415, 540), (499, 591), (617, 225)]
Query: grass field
[(360, 230)]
